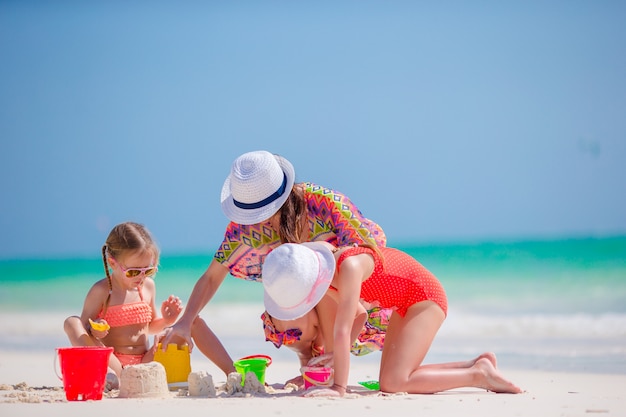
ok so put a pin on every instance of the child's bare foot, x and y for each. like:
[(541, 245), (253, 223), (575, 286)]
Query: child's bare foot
[(492, 380)]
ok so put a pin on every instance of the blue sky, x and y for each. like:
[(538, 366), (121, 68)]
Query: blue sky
[(443, 121)]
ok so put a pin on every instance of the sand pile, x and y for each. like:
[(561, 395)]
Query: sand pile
[(144, 380)]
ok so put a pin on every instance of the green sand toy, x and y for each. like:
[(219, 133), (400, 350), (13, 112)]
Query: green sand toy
[(373, 385)]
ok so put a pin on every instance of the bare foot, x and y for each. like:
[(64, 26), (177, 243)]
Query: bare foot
[(490, 356), (492, 380)]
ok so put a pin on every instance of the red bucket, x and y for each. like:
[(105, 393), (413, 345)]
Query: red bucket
[(84, 370)]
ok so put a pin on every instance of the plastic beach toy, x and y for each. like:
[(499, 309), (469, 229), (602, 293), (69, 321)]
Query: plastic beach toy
[(373, 385), (253, 363), (101, 327), (266, 358), (83, 370), (177, 363), (317, 376)]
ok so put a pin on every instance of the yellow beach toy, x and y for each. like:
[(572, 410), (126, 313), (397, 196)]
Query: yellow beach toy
[(101, 327), (177, 362)]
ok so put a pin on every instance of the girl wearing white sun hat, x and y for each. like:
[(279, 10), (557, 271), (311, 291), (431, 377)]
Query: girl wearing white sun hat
[(300, 278), (266, 208)]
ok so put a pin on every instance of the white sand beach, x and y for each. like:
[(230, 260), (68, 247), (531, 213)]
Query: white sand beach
[(30, 387)]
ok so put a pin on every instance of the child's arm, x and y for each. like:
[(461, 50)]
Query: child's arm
[(91, 309), (94, 301)]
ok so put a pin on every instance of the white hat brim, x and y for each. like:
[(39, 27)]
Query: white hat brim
[(258, 215), (325, 275)]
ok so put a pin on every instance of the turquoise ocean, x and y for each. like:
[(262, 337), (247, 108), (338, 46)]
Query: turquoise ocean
[(556, 305)]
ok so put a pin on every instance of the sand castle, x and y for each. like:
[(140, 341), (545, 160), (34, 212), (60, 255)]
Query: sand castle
[(144, 380)]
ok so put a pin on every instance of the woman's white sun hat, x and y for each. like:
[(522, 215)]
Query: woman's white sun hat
[(258, 185), (296, 277)]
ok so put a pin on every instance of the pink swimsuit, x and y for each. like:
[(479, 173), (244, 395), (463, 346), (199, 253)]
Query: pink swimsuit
[(120, 315)]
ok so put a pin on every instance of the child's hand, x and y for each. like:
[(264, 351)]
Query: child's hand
[(99, 328), (171, 308)]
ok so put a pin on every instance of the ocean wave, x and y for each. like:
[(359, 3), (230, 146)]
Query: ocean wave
[(580, 325), (581, 342), (238, 319)]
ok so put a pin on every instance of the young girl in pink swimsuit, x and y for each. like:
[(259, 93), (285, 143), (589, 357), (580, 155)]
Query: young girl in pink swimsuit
[(124, 301), (298, 278)]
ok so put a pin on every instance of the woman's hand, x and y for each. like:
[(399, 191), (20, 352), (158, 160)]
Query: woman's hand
[(171, 309), (179, 334)]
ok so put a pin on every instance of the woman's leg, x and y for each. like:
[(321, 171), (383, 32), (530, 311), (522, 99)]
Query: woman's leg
[(407, 342)]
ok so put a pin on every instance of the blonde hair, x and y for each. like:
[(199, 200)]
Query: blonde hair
[(124, 239)]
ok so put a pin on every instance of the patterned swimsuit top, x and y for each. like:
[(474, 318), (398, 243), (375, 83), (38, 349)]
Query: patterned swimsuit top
[(331, 215), (288, 337), (120, 315)]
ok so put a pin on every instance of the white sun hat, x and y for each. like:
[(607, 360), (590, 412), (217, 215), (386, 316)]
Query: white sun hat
[(258, 185), (296, 277)]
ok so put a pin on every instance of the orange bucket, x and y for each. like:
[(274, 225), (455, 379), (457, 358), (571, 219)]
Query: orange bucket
[(84, 370)]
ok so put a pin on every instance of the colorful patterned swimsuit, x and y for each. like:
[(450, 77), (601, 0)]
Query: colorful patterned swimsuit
[(398, 281), (332, 217)]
